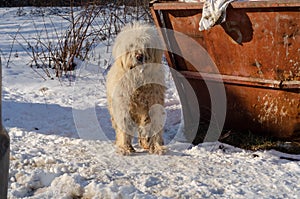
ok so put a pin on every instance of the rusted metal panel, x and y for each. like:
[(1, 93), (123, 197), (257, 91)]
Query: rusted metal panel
[(263, 47), (257, 52), (273, 112), (262, 44)]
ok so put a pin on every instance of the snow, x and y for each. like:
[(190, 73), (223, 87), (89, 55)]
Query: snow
[(62, 140)]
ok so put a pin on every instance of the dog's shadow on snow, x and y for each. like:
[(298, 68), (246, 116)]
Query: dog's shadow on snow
[(57, 120), (49, 119), (53, 119)]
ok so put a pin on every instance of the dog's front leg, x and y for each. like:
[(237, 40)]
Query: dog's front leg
[(123, 124), (158, 118), (123, 143), (156, 144), (124, 134)]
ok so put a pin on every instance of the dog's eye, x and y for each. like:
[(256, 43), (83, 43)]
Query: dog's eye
[(140, 58)]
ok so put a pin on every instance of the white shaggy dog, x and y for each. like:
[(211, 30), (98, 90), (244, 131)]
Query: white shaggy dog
[(136, 89)]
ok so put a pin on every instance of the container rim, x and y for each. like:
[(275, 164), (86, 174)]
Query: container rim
[(170, 5)]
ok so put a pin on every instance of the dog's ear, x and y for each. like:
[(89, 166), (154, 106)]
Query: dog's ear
[(115, 50), (125, 64), (122, 62), (119, 62)]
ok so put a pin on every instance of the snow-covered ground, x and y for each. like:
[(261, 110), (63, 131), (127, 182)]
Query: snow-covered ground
[(62, 139)]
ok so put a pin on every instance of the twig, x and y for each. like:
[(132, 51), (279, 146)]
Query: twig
[(12, 45)]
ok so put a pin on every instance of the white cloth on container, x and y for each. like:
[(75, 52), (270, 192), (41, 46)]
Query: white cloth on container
[(214, 12)]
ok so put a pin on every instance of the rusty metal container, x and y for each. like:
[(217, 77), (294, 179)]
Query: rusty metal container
[(257, 53)]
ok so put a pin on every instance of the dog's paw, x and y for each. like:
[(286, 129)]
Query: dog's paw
[(144, 143), (158, 149), (125, 150)]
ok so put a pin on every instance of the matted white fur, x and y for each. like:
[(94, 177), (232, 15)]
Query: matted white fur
[(136, 89)]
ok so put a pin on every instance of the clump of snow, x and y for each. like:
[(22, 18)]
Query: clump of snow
[(47, 121), (65, 186)]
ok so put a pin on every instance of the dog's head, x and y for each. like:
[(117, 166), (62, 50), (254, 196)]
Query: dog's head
[(137, 44)]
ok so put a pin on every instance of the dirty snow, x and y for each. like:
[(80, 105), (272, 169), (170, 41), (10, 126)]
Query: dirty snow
[(62, 140)]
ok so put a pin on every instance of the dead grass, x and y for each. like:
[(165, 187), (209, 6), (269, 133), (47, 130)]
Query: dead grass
[(251, 141)]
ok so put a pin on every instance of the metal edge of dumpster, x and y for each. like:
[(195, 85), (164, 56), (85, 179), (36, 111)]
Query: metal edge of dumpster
[(191, 124), (4, 150)]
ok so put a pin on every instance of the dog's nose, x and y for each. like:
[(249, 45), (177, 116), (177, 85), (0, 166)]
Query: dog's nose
[(140, 58)]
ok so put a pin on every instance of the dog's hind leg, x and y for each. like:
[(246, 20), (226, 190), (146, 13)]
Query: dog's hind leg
[(123, 143)]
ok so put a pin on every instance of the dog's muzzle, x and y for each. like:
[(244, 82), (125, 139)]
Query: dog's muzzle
[(140, 58)]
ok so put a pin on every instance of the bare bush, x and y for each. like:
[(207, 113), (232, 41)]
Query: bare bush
[(88, 26), (19, 3)]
